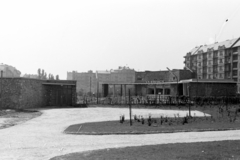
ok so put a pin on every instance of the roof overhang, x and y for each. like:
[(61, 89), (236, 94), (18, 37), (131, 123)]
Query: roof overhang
[(60, 84)]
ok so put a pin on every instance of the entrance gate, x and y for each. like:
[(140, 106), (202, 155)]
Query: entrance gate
[(60, 95)]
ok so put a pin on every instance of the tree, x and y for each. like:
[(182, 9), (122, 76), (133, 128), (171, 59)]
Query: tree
[(39, 73), (57, 77), (42, 75), (45, 75)]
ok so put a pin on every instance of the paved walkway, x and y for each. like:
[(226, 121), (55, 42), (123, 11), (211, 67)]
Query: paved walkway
[(42, 138)]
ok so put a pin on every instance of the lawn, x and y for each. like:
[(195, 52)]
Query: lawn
[(225, 119), (221, 150)]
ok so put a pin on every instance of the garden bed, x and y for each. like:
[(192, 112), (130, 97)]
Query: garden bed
[(216, 118)]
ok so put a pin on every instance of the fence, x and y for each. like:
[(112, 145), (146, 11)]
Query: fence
[(160, 100)]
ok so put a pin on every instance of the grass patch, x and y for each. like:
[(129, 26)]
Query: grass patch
[(222, 118), (221, 150), (171, 125), (13, 117)]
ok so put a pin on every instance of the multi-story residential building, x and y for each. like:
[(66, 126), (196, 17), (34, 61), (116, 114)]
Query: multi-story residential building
[(9, 71), (216, 61)]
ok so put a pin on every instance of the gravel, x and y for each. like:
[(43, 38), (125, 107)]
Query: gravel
[(42, 138)]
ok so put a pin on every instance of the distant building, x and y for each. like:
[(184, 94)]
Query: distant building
[(89, 82), (157, 81), (216, 61), (34, 76), (9, 71)]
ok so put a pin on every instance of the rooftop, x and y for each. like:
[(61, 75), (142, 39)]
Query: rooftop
[(216, 45)]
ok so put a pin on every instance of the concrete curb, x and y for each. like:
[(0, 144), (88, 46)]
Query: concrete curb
[(149, 132)]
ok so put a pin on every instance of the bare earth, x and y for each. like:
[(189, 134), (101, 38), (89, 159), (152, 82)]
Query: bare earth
[(42, 138)]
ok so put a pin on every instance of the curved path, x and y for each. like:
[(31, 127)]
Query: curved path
[(43, 138)]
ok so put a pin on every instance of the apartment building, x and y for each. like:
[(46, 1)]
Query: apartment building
[(216, 61)]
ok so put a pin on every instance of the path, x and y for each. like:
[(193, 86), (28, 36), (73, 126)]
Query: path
[(42, 138)]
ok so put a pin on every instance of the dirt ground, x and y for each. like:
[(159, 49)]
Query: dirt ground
[(9, 118), (42, 137)]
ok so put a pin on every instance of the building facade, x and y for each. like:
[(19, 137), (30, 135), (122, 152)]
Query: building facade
[(91, 82), (9, 71), (159, 82), (216, 61)]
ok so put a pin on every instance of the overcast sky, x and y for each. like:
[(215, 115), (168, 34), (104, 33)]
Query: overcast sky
[(60, 36)]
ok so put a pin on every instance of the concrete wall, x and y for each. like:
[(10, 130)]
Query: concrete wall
[(19, 93), (213, 89), (32, 94)]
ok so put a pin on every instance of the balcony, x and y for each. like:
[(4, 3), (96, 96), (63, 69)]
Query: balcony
[(235, 65)]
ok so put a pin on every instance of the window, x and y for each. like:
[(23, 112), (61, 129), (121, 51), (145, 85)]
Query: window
[(235, 49), (221, 53), (167, 91), (220, 68), (220, 60), (199, 64), (235, 57), (209, 54)]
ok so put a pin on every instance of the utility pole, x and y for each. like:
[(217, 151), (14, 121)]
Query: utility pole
[(130, 107), (97, 85), (97, 90), (1, 89), (90, 85)]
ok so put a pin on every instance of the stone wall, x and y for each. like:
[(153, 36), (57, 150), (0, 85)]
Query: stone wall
[(21, 93), (32, 94)]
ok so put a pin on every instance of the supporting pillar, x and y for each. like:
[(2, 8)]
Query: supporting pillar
[(121, 91), (155, 93), (125, 93), (114, 90), (146, 90), (155, 89), (163, 87)]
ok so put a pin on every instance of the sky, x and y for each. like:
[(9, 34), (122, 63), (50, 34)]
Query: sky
[(61, 36)]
